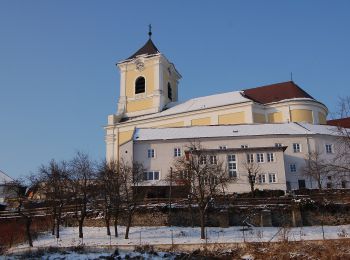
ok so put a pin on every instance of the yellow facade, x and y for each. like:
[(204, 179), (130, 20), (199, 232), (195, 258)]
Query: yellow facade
[(141, 104), (201, 121), (275, 117), (259, 118), (176, 124), (232, 118), (322, 118), (132, 75), (301, 115), (125, 136)]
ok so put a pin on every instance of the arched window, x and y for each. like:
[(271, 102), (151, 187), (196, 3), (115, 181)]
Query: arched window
[(170, 94), (140, 85)]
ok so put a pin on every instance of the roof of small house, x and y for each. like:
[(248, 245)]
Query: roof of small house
[(4, 178)]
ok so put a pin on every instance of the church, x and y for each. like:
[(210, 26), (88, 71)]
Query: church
[(276, 125)]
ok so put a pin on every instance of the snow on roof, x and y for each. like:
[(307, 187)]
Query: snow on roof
[(199, 103), (142, 134), (4, 178), (321, 129), (219, 131)]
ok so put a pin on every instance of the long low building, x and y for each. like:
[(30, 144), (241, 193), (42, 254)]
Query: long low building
[(280, 150)]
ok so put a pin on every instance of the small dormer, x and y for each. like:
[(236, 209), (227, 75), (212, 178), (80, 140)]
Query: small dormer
[(148, 82)]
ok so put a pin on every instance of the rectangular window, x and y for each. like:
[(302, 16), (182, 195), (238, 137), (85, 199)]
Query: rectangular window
[(202, 159), (343, 184), (232, 165), (156, 175), (260, 157), (212, 159), (270, 157), (145, 176), (329, 148), (222, 147), (278, 145), (261, 178), (301, 184), (151, 153), (293, 167), (296, 148), (244, 146), (151, 176), (250, 158), (177, 152), (272, 178)]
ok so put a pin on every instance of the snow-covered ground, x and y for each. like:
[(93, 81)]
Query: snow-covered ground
[(96, 236)]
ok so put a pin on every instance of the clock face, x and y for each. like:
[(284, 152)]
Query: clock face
[(140, 65)]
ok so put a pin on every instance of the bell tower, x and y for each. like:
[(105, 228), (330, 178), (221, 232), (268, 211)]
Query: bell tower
[(148, 82)]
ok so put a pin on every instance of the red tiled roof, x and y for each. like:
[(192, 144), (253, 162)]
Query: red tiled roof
[(276, 92), (149, 48), (342, 122)]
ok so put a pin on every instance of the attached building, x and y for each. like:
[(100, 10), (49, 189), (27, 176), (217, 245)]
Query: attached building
[(279, 149)]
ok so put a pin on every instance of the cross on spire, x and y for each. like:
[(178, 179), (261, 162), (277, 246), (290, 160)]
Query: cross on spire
[(150, 31)]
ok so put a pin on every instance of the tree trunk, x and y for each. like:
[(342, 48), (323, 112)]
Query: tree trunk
[(202, 219), (53, 222), (319, 184), (107, 218), (191, 213), (252, 188), (81, 222), (58, 222), (128, 225), (116, 225), (29, 236), (82, 217)]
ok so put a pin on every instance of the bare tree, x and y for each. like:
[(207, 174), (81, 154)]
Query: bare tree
[(109, 183), (130, 177), (341, 163), (83, 183), (204, 176), (253, 169), (54, 180), (316, 167)]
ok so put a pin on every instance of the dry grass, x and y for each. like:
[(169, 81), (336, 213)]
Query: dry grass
[(328, 249), (310, 250)]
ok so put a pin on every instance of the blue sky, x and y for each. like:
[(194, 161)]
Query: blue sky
[(58, 79)]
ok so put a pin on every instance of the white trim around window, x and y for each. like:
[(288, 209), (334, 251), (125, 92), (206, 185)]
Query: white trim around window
[(151, 153), (260, 158), (270, 157), (177, 152), (296, 147), (232, 165), (151, 176), (329, 148), (272, 178), (261, 178)]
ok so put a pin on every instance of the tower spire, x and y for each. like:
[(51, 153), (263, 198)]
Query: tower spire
[(150, 31)]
